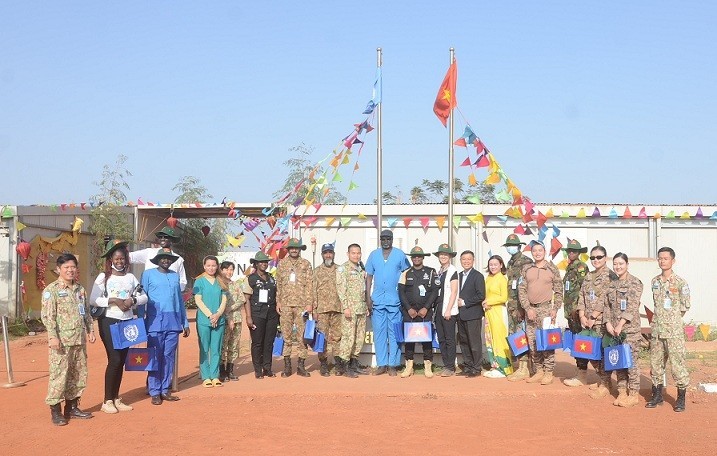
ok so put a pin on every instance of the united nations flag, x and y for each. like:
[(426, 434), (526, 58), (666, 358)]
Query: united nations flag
[(127, 333)]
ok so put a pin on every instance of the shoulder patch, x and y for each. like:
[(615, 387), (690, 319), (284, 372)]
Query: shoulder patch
[(340, 269), (46, 295), (685, 290)]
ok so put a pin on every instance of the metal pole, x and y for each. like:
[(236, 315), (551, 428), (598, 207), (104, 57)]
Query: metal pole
[(379, 160), (11, 383), (450, 164)]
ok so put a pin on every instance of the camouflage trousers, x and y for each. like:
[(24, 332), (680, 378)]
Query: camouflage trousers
[(329, 323), (289, 317), (542, 360), (672, 349), (68, 373), (516, 315), (230, 344), (629, 379), (353, 333)]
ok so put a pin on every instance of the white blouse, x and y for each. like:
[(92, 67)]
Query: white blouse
[(117, 287)]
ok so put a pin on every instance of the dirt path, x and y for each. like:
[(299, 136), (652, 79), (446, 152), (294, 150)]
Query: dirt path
[(344, 416)]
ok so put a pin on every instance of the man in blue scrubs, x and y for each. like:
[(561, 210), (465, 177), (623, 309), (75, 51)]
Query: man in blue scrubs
[(384, 267)]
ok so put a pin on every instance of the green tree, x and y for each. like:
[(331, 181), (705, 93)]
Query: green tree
[(436, 191), (299, 168), (109, 221), (194, 245)]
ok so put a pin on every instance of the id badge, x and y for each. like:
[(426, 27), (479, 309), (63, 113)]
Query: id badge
[(81, 307), (667, 303), (263, 296), (567, 285), (422, 290), (292, 277), (514, 285), (623, 305)]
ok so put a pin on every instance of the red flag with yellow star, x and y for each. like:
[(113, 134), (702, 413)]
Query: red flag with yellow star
[(446, 99), (141, 359)]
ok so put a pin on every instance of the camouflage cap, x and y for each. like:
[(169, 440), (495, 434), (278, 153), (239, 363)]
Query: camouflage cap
[(513, 239)]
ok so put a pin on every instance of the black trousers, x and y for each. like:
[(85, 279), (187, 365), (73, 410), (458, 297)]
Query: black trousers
[(471, 344), (446, 330), (262, 341), (115, 359), (410, 347)]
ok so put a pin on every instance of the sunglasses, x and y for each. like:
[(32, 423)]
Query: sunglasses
[(597, 257)]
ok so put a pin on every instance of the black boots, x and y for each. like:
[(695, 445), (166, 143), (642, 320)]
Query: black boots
[(338, 366), (57, 418), (73, 411), (356, 367), (349, 370), (656, 398), (680, 403), (229, 373), (287, 367), (223, 373), (324, 369), (301, 369)]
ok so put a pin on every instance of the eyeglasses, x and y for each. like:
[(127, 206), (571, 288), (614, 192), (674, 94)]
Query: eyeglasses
[(597, 257)]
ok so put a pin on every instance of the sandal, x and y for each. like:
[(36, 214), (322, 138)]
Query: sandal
[(217, 382), (207, 383)]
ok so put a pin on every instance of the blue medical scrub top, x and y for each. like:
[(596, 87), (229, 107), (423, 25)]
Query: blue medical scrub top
[(385, 276)]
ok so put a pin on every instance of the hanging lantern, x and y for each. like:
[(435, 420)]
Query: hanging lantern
[(172, 222), (26, 268), (23, 248), (206, 230)]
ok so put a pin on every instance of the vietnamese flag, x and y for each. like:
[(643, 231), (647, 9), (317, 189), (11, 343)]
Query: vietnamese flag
[(583, 346), (138, 360), (556, 338), (521, 342), (446, 98)]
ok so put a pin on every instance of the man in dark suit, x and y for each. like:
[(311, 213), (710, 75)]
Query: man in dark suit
[(470, 314)]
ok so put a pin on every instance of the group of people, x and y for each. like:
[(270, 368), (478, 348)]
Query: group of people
[(524, 294)]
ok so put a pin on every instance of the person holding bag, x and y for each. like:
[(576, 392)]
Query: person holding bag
[(210, 295), (622, 316), (114, 292)]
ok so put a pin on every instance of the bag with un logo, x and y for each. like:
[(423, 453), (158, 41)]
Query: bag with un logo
[(127, 333), (617, 357)]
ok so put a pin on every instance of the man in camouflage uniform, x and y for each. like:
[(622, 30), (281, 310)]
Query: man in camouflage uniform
[(671, 296), (232, 314), (294, 300), (516, 315), (351, 288), (66, 315), (327, 307), (572, 280), (540, 298)]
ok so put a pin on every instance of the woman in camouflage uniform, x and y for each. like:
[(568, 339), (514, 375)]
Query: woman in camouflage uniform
[(232, 314)]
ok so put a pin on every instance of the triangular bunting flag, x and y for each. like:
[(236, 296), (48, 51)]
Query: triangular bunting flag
[(472, 180), (519, 229), (424, 222), (440, 221), (670, 215), (627, 213), (466, 162), (337, 178), (482, 162), (352, 186), (457, 220), (596, 212), (581, 213), (475, 199), (345, 221), (613, 213), (555, 246), (685, 215), (549, 214), (699, 214), (407, 221), (329, 221), (642, 213), (391, 222), (460, 142), (362, 216)]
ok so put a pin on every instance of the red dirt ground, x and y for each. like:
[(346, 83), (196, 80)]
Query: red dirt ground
[(345, 416)]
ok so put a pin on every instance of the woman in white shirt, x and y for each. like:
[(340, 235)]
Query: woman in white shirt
[(447, 309), (116, 291)]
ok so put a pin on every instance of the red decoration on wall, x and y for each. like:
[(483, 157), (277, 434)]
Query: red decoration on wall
[(23, 249), (172, 222)]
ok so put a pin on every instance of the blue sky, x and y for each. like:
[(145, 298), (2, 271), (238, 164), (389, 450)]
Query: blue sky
[(578, 101)]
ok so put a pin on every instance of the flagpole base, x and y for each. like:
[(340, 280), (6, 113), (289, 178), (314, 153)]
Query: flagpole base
[(14, 385)]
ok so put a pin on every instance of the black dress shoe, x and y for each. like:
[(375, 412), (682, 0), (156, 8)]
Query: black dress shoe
[(157, 400), (472, 374), (392, 371), (258, 375), (269, 373), (170, 397), (380, 370)]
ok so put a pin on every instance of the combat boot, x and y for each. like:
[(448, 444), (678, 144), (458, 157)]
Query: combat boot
[(680, 402), (521, 373), (287, 367), (547, 378), (56, 412), (630, 400), (408, 371), (300, 369), (600, 392), (428, 368), (324, 368), (354, 363), (581, 379), (348, 369), (656, 398), (230, 373), (223, 372), (537, 378), (339, 366), (73, 411), (621, 396)]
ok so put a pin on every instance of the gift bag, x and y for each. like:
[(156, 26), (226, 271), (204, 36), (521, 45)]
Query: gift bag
[(588, 345), (548, 339), (309, 330), (417, 331), (319, 342), (518, 342), (617, 355), (435, 343), (278, 348), (398, 331), (567, 340), (141, 359), (127, 333)]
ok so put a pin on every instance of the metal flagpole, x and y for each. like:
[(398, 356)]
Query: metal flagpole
[(450, 164), (379, 161), (11, 383)]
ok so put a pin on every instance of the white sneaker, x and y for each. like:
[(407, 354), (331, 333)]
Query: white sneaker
[(493, 373), (109, 407), (121, 406)]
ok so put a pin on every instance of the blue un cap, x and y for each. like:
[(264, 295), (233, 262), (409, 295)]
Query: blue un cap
[(327, 248)]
